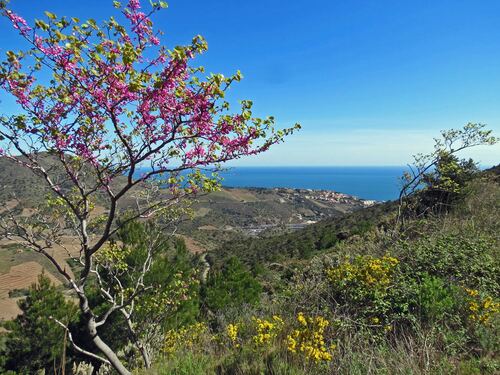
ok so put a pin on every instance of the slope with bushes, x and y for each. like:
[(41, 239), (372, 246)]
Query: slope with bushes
[(370, 297), (422, 301)]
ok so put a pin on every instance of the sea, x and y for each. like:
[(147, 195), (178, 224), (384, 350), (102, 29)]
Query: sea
[(373, 183)]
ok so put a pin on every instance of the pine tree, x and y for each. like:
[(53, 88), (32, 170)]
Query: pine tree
[(34, 341), (232, 287)]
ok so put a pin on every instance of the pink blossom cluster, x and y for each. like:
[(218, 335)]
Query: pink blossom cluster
[(133, 104), (18, 22), (141, 24)]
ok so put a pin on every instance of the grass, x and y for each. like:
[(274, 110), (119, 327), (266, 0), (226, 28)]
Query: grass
[(463, 250), (415, 321)]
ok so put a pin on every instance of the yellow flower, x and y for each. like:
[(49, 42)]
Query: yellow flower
[(471, 292), (232, 333), (488, 301), (482, 308), (292, 343), (309, 339), (301, 319), (185, 337), (278, 320), (267, 329), (365, 270), (473, 306)]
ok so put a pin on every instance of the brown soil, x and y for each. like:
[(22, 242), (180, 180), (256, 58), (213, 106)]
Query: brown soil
[(193, 246), (9, 309), (21, 276)]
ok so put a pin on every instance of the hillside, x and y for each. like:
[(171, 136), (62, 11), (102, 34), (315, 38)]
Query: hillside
[(224, 215), (30, 189), (422, 300), (218, 216), (22, 183), (323, 235), (246, 213), (358, 296), (308, 241)]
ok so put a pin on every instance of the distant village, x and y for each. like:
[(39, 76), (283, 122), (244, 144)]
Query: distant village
[(318, 197), (323, 195)]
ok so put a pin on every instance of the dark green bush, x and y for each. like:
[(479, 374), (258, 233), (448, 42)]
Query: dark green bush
[(231, 287), (466, 259), (436, 300), (35, 341)]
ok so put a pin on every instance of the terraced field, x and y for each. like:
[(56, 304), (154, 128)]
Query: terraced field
[(219, 217), (19, 269), (20, 276)]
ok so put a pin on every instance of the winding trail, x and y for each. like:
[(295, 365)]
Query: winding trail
[(206, 268)]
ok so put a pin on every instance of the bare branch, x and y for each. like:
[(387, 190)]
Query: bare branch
[(76, 347)]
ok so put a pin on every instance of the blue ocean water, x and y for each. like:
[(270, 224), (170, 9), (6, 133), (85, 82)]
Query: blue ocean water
[(378, 183)]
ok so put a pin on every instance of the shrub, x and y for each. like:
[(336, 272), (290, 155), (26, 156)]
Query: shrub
[(460, 258), (231, 287), (446, 184), (367, 289), (436, 300), (267, 330), (481, 308), (188, 337), (308, 339)]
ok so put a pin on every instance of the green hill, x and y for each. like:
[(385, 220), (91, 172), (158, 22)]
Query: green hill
[(353, 295), (360, 292), (231, 213)]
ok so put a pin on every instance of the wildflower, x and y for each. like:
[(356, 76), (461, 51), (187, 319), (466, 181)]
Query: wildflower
[(473, 306), (185, 337), (487, 303), (309, 339), (232, 333), (471, 292), (481, 308), (292, 342), (368, 271), (301, 319), (267, 329)]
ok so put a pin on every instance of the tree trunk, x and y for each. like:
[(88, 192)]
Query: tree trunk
[(105, 349), (145, 356)]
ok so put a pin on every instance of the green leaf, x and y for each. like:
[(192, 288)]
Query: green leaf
[(52, 16), (42, 25), (163, 4), (60, 35)]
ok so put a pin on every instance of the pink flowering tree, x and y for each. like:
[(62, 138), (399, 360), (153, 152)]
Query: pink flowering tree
[(117, 111)]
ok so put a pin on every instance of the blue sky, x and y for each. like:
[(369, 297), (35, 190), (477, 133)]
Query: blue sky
[(371, 82)]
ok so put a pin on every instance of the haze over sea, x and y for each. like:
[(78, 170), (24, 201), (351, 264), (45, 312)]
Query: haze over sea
[(378, 183)]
